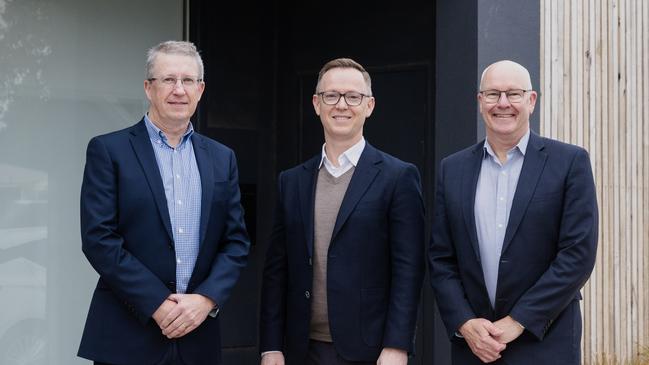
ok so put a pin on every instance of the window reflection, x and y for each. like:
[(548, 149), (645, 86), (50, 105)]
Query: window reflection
[(23, 234)]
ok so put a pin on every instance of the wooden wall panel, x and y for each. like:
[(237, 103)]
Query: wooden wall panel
[(595, 93)]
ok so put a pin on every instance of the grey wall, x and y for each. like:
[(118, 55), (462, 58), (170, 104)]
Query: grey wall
[(509, 29)]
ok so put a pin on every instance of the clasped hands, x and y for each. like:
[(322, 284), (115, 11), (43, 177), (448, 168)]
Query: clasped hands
[(488, 339), (180, 314)]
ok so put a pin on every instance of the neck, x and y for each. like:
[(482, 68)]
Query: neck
[(334, 148), (502, 144), (172, 130)]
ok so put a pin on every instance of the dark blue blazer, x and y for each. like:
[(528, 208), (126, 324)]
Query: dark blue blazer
[(548, 252), (126, 236), (375, 264)]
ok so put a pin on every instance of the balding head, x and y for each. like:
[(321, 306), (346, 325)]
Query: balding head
[(506, 101), (508, 70)]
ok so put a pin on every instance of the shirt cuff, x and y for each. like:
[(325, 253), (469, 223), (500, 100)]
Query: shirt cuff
[(270, 352), (214, 312)]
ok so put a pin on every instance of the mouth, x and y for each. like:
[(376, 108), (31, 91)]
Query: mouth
[(341, 118), (177, 103), (503, 115)]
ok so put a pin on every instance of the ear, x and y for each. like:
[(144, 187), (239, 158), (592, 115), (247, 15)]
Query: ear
[(479, 97), (147, 89), (533, 97), (200, 89), (316, 104), (370, 107)]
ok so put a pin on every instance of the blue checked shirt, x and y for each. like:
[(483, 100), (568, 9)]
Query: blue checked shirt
[(182, 184)]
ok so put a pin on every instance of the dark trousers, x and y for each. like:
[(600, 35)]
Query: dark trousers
[(170, 358), (324, 353)]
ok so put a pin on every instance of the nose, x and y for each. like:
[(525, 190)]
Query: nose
[(342, 103), (179, 88), (502, 100)]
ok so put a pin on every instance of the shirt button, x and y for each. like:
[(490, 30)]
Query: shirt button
[(500, 226), (180, 202), (307, 294), (179, 261), (501, 198), (180, 230), (504, 173), (177, 176)]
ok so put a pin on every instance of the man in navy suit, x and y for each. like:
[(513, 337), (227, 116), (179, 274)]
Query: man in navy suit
[(514, 235), (162, 224), (345, 263)]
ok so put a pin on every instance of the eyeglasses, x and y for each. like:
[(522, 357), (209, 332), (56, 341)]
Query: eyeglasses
[(187, 82), (514, 96), (352, 98)]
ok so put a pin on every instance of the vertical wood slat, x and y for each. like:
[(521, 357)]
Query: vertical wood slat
[(595, 93)]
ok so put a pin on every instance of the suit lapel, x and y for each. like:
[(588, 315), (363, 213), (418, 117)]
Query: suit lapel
[(306, 187), (471, 171), (364, 173), (207, 181), (144, 151), (533, 165)]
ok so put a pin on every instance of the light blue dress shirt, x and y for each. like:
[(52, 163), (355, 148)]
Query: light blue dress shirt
[(182, 184), (493, 202)]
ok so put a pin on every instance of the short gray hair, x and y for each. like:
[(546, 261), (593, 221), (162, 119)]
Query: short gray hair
[(173, 47)]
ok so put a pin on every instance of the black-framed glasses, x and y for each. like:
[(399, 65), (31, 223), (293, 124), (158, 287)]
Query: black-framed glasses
[(352, 98), (173, 81), (514, 95)]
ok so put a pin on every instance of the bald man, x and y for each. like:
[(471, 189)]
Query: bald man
[(514, 235)]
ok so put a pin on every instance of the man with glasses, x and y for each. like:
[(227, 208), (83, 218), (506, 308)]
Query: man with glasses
[(514, 235), (344, 267), (162, 224)]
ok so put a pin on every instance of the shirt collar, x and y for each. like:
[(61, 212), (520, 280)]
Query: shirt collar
[(352, 155), (521, 146), (156, 134)]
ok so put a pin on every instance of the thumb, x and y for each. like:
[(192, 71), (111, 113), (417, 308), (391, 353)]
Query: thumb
[(493, 329), (175, 297)]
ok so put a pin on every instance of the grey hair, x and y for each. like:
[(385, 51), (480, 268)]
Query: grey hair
[(173, 47)]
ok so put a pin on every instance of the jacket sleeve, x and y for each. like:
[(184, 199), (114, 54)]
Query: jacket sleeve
[(234, 245), (575, 259), (273, 292), (139, 289), (443, 265), (406, 235)]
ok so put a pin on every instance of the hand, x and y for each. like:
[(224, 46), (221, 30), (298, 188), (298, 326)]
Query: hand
[(392, 356), (511, 329), (189, 312), (273, 358), (480, 334), (163, 310)]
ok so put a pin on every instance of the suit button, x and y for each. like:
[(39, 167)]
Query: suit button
[(307, 294), (310, 262)]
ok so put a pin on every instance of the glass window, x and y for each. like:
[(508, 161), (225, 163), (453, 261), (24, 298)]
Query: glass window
[(69, 70)]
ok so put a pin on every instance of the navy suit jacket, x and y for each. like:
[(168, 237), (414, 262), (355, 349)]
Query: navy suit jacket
[(375, 262), (126, 236), (548, 252)]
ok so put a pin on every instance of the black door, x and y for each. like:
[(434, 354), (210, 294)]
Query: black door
[(262, 64)]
